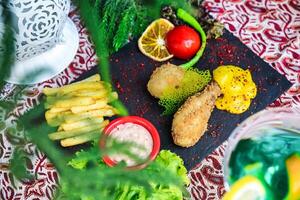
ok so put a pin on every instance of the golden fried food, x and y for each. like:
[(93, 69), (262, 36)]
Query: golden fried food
[(83, 138), (165, 76), (78, 110), (77, 131), (190, 121), (74, 101), (107, 111), (101, 103), (83, 85), (80, 124)]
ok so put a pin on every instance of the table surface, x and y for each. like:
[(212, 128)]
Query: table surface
[(271, 29)]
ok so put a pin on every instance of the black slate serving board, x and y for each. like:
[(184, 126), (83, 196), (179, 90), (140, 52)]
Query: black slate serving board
[(131, 71)]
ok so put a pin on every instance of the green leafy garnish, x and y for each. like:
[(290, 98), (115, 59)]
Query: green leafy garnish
[(18, 163), (165, 160), (122, 20), (193, 81)]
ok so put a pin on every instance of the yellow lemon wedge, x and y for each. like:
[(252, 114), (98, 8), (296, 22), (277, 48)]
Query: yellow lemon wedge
[(152, 42), (247, 188), (293, 167)]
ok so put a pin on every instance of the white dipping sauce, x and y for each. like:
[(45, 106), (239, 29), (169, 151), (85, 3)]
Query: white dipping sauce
[(130, 132)]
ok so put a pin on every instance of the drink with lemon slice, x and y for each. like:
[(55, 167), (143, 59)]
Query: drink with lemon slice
[(262, 161)]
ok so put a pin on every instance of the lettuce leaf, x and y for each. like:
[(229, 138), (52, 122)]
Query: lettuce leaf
[(165, 159), (173, 163)]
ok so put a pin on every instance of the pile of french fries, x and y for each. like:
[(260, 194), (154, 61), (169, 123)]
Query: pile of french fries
[(78, 110)]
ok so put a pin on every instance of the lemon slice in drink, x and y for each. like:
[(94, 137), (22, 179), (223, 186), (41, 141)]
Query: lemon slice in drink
[(293, 166), (246, 188), (152, 41)]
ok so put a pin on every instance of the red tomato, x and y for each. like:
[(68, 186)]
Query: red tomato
[(183, 42)]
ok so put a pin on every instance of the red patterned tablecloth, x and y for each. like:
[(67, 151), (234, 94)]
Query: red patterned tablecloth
[(271, 28)]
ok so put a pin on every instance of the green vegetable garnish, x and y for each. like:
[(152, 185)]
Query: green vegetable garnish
[(193, 81), (186, 17), (166, 159)]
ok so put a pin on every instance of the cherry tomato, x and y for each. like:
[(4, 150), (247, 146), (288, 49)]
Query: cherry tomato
[(183, 42)]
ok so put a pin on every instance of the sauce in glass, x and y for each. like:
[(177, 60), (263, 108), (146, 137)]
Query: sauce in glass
[(131, 132)]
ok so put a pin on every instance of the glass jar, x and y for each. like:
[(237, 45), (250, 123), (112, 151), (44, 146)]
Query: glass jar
[(256, 126)]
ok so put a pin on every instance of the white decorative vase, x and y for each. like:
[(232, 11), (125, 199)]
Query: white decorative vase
[(46, 40)]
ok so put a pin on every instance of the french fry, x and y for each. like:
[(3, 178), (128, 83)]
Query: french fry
[(80, 139), (51, 100), (60, 128), (55, 119), (98, 105), (73, 87), (58, 110), (80, 124), (83, 138), (78, 110), (108, 112), (112, 111), (93, 78), (49, 115), (66, 134), (76, 101), (97, 94)]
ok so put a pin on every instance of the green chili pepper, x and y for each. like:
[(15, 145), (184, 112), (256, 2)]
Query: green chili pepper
[(189, 19)]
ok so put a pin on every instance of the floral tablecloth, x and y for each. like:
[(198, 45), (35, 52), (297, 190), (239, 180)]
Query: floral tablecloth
[(271, 28)]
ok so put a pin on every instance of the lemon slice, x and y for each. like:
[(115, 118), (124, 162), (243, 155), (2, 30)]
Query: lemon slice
[(152, 42), (247, 188), (293, 166)]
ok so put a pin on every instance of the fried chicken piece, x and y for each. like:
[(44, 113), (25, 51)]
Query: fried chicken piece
[(191, 119), (165, 76)]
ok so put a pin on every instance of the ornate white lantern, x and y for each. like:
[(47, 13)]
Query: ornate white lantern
[(46, 40)]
